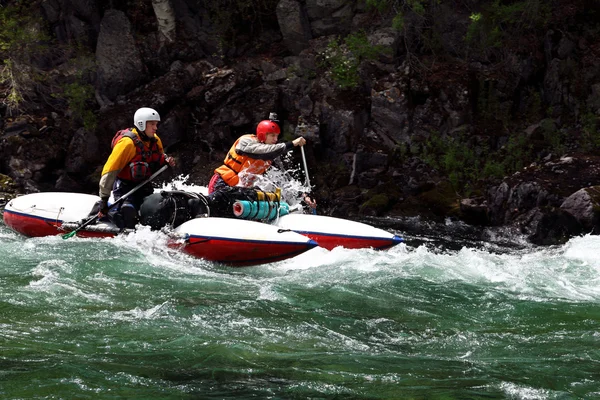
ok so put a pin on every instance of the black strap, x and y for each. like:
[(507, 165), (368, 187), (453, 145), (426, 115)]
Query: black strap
[(233, 158)]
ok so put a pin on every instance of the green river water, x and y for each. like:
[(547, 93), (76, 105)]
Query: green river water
[(125, 318)]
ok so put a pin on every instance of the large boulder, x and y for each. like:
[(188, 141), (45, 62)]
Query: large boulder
[(553, 227), (294, 25), (330, 17), (584, 206), (120, 66)]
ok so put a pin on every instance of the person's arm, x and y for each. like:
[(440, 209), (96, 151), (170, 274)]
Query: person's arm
[(164, 159), (263, 151), (121, 154)]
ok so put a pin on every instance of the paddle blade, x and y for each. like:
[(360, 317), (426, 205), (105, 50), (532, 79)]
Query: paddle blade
[(70, 234), (86, 223)]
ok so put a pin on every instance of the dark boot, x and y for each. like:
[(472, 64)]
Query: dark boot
[(130, 216)]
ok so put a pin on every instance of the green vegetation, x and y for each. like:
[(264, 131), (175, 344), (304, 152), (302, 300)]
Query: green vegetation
[(342, 58), (378, 203), (454, 157), (497, 23), (465, 163), (590, 140), (78, 96), (13, 95), (516, 152), (398, 9), (22, 40), (492, 26)]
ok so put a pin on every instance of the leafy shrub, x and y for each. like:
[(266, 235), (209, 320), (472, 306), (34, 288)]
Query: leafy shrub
[(590, 137), (497, 23), (22, 41), (342, 58), (397, 8), (78, 96)]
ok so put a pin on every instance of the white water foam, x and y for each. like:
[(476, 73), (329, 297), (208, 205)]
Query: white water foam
[(181, 183), (568, 272)]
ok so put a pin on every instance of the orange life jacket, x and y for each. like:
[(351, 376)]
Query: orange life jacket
[(145, 161), (234, 164)]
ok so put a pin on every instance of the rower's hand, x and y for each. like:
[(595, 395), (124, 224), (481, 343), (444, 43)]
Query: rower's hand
[(102, 206), (299, 141), (310, 202), (170, 160)]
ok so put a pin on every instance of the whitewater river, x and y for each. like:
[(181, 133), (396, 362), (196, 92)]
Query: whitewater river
[(432, 318)]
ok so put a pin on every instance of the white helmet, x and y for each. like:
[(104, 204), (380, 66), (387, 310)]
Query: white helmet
[(144, 115)]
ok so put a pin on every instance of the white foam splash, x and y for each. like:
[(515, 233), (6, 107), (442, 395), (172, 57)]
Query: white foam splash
[(181, 183), (274, 178), (523, 392)]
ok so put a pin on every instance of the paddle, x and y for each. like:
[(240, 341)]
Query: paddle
[(122, 199), (314, 210), (305, 167)]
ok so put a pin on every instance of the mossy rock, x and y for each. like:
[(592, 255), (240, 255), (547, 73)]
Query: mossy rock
[(7, 185), (339, 203), (442, 200), (331, 175), (375, 206), (594, 193)]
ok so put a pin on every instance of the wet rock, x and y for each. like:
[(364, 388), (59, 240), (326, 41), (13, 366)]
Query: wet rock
[(555, 227), (441, 201), (527, 195), (344, 201), (367, 160), (20, 126), (307, 130), (584, 206), (18, 169), (370, 178), (474, 211)]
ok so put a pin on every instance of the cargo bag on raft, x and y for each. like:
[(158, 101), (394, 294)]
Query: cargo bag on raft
[(173, 208)]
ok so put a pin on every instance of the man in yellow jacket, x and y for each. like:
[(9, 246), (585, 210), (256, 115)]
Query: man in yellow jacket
[(136, 154)]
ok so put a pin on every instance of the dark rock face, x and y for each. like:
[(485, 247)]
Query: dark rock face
[(294, 25), (120, 67), (381, 147)]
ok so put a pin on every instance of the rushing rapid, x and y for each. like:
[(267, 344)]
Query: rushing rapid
[(127, 317)]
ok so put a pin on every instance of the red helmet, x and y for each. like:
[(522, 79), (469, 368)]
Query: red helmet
[(265, 127)]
